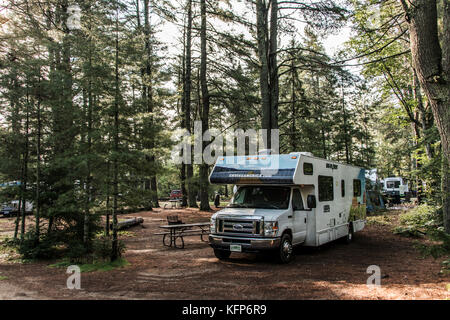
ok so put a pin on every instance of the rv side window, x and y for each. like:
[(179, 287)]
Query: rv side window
[(308, 169), (357, 188), (297, 202), (343, 188), (326, 191)]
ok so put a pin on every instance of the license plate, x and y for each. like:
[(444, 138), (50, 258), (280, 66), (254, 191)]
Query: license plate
[(236, 248)]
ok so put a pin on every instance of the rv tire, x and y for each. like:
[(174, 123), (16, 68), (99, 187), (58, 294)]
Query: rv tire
[(285, 252), (349, 237), (222, 254)]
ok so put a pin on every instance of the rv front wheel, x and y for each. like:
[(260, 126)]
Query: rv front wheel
[(285, 252), (221, 254)]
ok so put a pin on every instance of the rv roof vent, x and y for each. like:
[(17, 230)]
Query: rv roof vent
[(309, 154)]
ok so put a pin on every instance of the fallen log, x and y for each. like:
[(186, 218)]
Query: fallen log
[(128, 223)]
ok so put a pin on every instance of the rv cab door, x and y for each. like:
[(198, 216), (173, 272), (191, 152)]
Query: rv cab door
[(298, 217)]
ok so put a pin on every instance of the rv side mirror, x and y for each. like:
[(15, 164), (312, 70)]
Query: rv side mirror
[(311, 200)]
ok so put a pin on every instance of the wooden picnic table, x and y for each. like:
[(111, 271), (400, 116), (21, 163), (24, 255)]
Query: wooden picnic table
[(179, 231)]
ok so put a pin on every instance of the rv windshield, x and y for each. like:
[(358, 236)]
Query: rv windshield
[(393, 184), (261, 197)]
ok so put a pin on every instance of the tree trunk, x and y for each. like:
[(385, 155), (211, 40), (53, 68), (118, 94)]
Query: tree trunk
[(262, 36), (204, 183), (38, 165), (25, 169), (149, 100), (324, 139), (346, 133), (273, 65), (63, 114), (16, 129), (108, 183), (17, 222), (183, 121), (86, 237), (138, 14), (432, 64), (115, 241), (420, 106), (293, 136), (268, 74), (191, 196)]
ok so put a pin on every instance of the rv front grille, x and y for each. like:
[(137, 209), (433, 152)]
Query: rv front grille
[(238, 226)]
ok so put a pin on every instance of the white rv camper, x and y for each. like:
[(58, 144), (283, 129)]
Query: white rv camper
[(396, 189), (286, 200)]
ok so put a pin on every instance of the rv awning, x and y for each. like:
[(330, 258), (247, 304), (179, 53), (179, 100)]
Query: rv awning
[(267, 169)]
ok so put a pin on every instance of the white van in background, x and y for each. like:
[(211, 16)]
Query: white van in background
[(396, 189), (12, 208)]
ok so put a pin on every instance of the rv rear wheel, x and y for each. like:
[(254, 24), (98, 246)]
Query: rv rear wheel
[(349, 238), (285, 252), (222, 254)]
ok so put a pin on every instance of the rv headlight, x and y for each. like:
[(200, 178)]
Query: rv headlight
[(270, 228), (212, 226)]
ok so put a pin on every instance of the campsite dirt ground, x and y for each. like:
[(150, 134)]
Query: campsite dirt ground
[(334, 271)]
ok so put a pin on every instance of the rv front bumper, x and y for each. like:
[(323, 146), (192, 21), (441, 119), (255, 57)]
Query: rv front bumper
[(247, 244), (393, 194)]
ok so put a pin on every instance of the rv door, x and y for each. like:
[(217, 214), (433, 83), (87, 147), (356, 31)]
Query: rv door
[(299, 217)]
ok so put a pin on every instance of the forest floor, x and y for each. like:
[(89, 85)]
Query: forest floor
[(334, 271)]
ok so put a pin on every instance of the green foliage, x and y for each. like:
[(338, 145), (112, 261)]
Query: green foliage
[(126, 234), (61, 85), (441, 246), (101, 266), (425, 221), (419, 221), (422, 216), (168, 180), (407, 138), (100, 251), (3, 278), (445, 270), (408, 231), (65, 244), (321, 111), (60, 92), (395, 147), (76, 252), (103, 248), (104, 266), (8, 249), (383, 220), (431, 170), (30, 249)]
